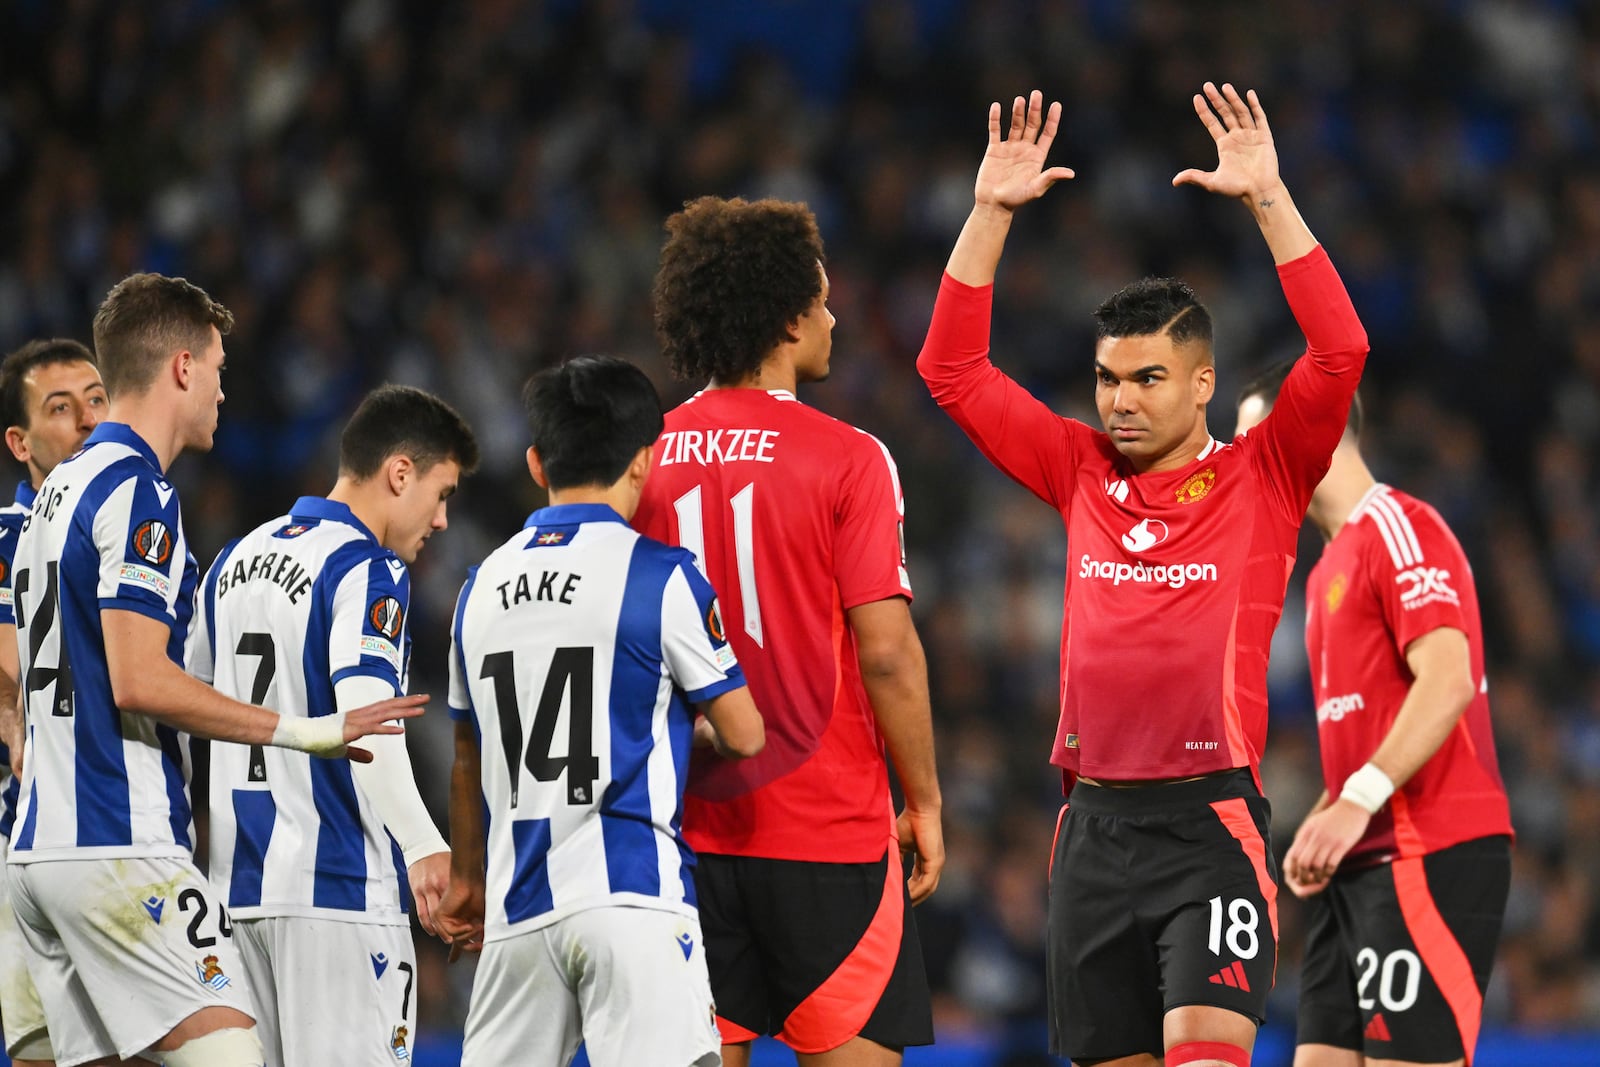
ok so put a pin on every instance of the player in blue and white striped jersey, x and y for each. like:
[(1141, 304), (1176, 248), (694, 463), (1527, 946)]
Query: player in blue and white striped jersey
[(129, 948), (308, 613), (579, 648), (51, 397)]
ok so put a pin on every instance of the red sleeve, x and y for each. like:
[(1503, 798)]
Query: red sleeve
[(1013, 429), (869, 546), (1418, 571), (1297, 438)]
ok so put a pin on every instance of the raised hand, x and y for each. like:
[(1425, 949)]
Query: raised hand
[(1247, 160), (1013, 172)]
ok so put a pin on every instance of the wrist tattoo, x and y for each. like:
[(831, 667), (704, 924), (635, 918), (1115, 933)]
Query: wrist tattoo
[(1267, 202)]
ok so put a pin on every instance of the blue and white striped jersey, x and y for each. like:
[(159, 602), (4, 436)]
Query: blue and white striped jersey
[(104, 533), (11, 519), (577, 647), (286, 612)]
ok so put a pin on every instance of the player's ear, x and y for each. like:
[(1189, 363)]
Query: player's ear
[(399, 469), (536, 468), (17, 441), (182, 366), (643, 460), (1205, 382)]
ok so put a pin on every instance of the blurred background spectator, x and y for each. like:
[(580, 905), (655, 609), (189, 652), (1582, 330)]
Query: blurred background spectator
[(455, 194)]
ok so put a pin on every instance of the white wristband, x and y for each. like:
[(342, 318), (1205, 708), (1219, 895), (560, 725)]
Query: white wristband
[(321, 736), (1369, 788)]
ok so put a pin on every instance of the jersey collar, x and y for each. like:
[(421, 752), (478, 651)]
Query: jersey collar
[(1366, 498), (122, 434), (322, 509), (573, 515), (26, 493)]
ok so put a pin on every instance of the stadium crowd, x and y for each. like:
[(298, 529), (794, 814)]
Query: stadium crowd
[(454, 195)]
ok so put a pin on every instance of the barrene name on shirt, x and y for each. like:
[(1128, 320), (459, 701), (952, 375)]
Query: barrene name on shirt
[(706, 447), (279, 568)]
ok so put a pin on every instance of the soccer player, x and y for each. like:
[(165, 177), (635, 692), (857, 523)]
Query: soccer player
[(51, 396), (579, 647), (1162, 923), (1406, 856), (796, 519), (130, 949), (308, 613)]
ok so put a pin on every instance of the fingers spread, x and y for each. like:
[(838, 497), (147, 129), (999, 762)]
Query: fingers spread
[(1219, 105), (1019, 110), (994, 122)]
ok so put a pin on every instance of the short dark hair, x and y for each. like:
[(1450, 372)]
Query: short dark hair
[(589, 417), (1152, 306), (403, 420), (23, 362), (144, 319), (734, 275), (1268, 383)]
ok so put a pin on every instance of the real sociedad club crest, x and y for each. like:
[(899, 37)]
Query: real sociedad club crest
[(152, 542), (209, 972), (397, 1042), (386, 616)]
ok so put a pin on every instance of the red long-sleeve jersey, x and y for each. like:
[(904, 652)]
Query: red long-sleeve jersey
[(1175, 579)]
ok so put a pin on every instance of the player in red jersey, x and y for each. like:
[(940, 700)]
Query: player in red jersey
[(1407, 855), (1162, 921), (796, 519)]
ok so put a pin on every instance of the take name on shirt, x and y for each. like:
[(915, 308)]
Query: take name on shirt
[(279, 568), (706, 447), (521, 591)]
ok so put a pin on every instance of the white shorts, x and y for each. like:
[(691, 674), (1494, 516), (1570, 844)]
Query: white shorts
[(124, 950), (631, 982), (331, 992), (20, 1011)]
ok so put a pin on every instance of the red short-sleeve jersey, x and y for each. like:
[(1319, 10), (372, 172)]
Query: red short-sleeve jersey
[(1393, 573), (796, 518), (1175, 579)]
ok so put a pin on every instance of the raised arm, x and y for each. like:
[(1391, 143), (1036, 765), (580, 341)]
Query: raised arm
[(1015, 431), (1011, 174), (1247, 169)]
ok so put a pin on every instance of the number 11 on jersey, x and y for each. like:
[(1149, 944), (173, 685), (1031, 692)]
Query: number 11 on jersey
[(692, 535)]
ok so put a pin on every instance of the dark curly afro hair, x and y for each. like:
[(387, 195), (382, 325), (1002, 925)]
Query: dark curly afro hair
[(734, 275)]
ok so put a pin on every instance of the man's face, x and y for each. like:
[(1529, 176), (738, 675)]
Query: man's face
[(815, 331), (419, 509), (206, 392), (63, 402), (1151, 395)]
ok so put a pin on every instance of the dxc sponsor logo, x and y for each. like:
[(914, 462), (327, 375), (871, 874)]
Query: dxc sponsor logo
[(1425, 585)]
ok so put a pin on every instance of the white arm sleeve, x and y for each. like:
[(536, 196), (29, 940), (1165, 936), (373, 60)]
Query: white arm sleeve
[(388, 781)]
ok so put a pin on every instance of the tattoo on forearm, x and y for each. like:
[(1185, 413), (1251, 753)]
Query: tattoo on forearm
[(1268, 203)]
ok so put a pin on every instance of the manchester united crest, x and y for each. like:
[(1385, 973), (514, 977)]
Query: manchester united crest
[(1335, 594), (1197, 487)]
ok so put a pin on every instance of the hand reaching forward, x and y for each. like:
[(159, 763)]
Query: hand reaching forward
[(1247, 160), (1012, 172)]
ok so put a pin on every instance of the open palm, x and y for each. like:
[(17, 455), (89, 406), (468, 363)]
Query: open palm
[(1013, 171), (1247, 160)]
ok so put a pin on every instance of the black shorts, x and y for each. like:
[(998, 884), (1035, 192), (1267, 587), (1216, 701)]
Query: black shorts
[(815, 953), (1160, 896), (1398, 955)]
